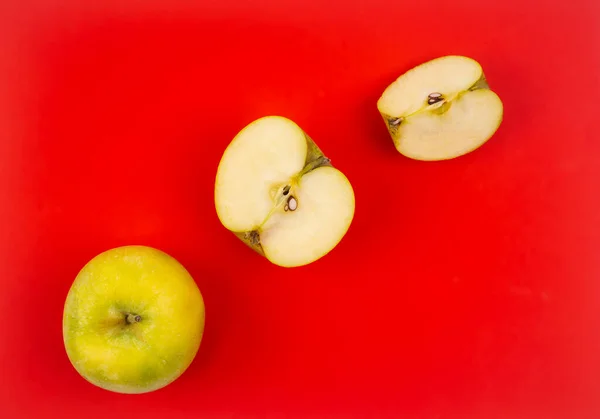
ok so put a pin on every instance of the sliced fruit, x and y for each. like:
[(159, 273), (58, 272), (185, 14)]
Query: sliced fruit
[(441, 109), (279, 194)]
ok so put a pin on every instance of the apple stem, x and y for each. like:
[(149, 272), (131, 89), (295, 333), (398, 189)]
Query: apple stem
[(133, 318)]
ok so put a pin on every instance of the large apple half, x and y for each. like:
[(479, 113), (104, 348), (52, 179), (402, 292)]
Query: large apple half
[(279, 194), (441, 109)]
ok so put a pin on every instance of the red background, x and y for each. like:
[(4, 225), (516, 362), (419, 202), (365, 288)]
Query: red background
[(464, 289)]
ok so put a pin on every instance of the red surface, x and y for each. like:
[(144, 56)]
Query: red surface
[(464, 289)]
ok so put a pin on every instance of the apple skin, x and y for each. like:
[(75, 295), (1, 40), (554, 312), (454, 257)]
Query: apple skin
[(166, 315)]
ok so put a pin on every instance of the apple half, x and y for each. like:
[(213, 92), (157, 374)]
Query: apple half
[(441, 109), (279, 194)]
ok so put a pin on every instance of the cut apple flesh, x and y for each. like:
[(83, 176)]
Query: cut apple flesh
[(445, 135), (441, 109), (324, 206), (277, 192), (258, 162)]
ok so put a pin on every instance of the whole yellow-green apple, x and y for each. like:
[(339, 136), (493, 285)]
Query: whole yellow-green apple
[(133, 320)]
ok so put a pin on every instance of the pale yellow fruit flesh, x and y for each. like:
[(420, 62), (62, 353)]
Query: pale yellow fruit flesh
[(468, 114), (138, 357), (448, 75), (324, 212), (260, 159), (469, 121)]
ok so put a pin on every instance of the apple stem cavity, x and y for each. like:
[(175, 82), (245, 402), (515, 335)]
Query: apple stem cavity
[(132, 318)]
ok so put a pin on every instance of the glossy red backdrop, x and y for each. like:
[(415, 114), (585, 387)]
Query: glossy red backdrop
[(464, 289)]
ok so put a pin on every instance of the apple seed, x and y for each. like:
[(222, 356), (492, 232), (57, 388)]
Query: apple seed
[(435, 98), (395, 121), (286, 190), (292, 203)]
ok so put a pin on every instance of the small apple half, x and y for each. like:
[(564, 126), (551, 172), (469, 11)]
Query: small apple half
[(441, 109), (280, 195)]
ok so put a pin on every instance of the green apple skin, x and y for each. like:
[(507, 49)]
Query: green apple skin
[(133, 320)]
